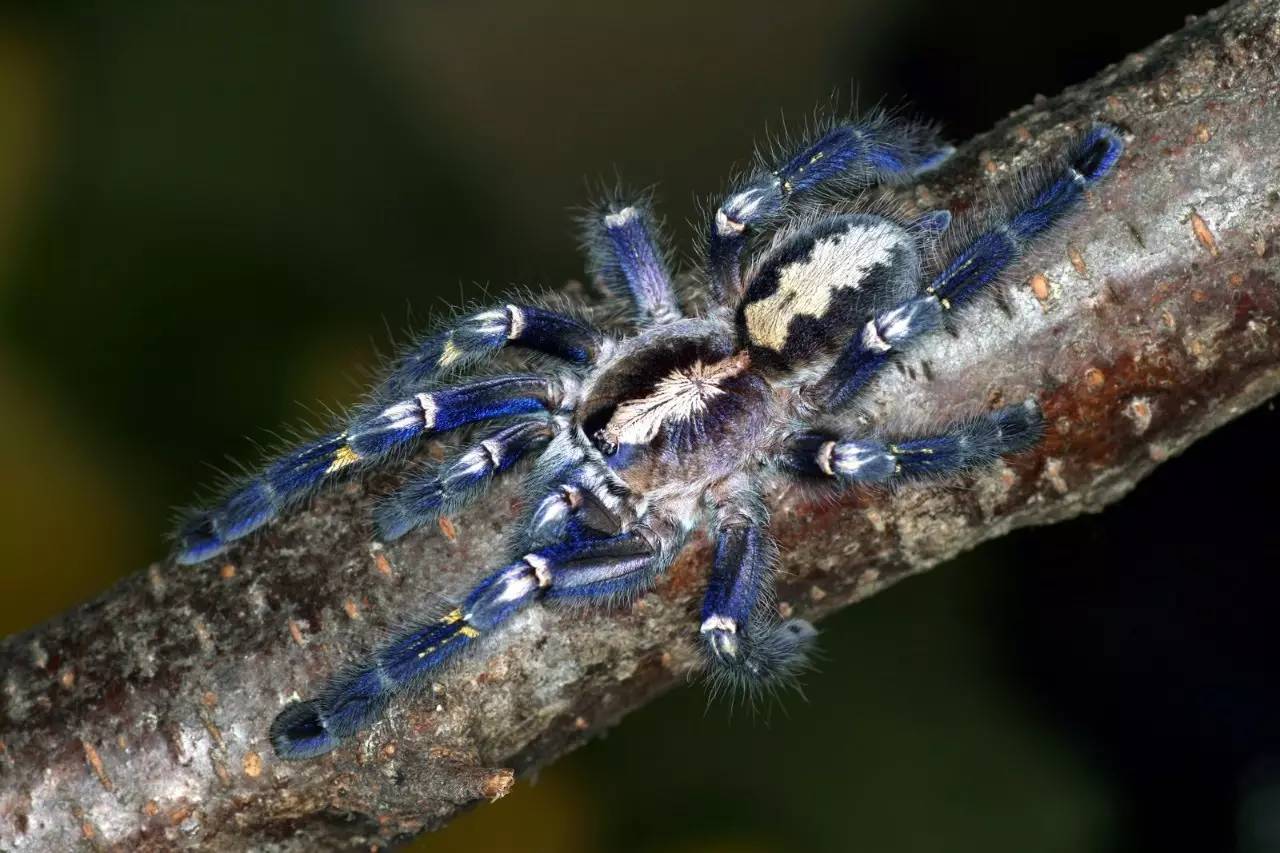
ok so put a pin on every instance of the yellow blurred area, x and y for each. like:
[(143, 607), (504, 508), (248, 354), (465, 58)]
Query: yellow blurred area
[(26, 128), (553, 815), (69, 528)]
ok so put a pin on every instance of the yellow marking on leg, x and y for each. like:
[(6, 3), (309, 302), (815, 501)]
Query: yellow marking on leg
[(945, 303), (450, 354), (345, 456), (463, 631)]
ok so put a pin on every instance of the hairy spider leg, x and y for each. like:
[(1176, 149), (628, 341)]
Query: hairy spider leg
[(600, 569), (371, 437), (744, 644), (574, 508), (570, 495), (624, 248), (883, 337), (974, 267), (851, 154), (284, 483), (472, 339), (1044, 206), (961, 446), (459, 480)]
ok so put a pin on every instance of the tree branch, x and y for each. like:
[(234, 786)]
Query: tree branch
[(139, 720)]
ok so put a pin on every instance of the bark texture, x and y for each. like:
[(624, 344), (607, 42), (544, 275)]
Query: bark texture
[(138, 721)]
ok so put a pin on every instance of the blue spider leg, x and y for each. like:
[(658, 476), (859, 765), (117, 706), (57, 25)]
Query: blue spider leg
[(572, 494), (573, 509), (1045, 205), (458, 481), (744, 644), (961, 446), (875, 345), (474, 338), (575, 498), (851, 155), (623, 248), (974, 268), (369, 439), (285, 482), (612, 568)]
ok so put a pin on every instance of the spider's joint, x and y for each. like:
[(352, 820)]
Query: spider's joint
[(873, 340), (494, 452), (517, 322), (746, 204), (541, 569), (727, 227), (556, 508), (429, 410), (516, 586), (719, 623), (825, 454), (620, 218), (561, 394)]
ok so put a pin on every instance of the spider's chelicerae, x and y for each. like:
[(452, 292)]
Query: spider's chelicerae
[(688, 419)]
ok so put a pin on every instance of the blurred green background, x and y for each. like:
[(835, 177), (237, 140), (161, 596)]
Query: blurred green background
[(211, 213)]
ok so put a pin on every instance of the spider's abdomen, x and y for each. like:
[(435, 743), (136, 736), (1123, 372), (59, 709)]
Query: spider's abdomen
[(810, 292)]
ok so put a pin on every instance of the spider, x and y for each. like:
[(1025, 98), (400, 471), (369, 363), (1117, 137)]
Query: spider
[(689, 419)]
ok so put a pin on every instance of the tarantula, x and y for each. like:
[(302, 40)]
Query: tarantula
[(690, 419)]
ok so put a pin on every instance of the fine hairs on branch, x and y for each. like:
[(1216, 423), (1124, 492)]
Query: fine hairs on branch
[(633, 438)]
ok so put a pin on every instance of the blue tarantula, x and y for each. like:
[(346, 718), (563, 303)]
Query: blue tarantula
[(638, 438)]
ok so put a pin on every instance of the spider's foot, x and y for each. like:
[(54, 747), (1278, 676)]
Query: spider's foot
[(761, 657), (299, 731)]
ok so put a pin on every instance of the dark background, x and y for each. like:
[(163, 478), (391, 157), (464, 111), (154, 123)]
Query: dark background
[(211, 212)]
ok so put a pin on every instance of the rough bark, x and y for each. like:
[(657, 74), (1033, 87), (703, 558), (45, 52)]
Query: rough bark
[(139, 720)]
